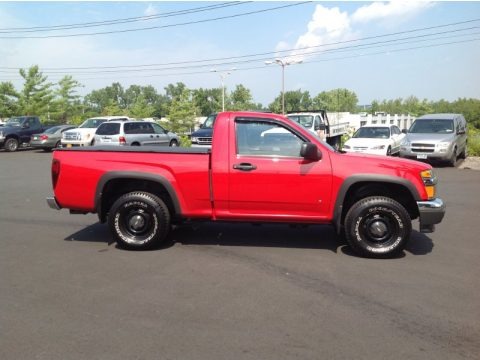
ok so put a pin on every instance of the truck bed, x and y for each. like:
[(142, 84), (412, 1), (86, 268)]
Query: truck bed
[(185, 169)]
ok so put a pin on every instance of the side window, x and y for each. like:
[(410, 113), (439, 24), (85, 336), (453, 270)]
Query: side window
[(131, 128), (261, 137), (158, 129), (147, 128), (317, 123)]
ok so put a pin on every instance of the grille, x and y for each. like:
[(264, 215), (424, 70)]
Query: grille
[(205, 140), (72, 136), (423, 148)]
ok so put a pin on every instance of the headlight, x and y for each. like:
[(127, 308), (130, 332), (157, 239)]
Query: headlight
[(443, 145), (405, 142), (430, 180), (346, 146), (194, 140), (378, 147)]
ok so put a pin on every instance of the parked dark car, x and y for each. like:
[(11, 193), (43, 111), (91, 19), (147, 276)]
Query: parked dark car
[(18, 130), (50, 138)]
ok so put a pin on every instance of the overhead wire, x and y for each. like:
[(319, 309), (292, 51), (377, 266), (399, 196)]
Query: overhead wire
[(159, 26), (122, 20)]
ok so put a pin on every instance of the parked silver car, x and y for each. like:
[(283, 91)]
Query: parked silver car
[(134, 133), (440, 137), (50, 138)]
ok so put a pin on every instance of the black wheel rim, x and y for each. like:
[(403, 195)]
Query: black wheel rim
[(137, 225), (379, 229)]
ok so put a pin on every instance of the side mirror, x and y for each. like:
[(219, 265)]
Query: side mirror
[(404, 131), (25, 126), (310, 151), (201, 126), (322, 127)]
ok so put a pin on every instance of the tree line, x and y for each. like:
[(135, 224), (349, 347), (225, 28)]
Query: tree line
[(60, 103)]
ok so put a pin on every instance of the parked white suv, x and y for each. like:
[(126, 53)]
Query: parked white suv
[(85, 133), (134, 133)]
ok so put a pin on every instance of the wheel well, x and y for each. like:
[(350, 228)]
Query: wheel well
[(135, 143), (394, 191), (12, 136), (115, 188)]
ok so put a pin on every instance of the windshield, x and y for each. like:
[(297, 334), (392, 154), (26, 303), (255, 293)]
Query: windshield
[(304, 120), (429, 126), (92, 123), (15, 120), (208, 124), (372, 132)]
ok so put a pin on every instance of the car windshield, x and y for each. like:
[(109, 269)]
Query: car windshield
[(208, 124), (372, 132), (92, 123), (429, 126), (304, 120)]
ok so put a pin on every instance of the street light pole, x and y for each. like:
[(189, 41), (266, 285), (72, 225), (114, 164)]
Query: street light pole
[(223, 75), (283, 63)]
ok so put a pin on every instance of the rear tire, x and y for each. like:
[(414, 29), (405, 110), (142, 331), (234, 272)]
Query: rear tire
[(377, 227), (139, 221), (11, 145)]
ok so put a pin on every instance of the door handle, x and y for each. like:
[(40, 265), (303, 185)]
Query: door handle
[(244, 167), (151, 136)]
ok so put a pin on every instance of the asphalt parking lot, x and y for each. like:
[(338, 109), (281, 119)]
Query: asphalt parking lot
[(230, 291)]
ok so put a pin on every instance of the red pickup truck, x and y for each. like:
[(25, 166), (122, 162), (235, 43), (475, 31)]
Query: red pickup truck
[(261, 168)]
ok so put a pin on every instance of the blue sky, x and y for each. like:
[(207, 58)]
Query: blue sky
[(382, 72)]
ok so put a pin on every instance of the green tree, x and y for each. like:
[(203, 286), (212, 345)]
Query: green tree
[(297, 100), (141, 108), (36, 94), (241, 99), (97, 100), (336, 100), (67, 102), (8, 100), (112, 109), (182, 113), (208, 101)]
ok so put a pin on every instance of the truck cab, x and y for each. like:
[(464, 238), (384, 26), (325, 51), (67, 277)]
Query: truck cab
[(203, 136), (18, 130)]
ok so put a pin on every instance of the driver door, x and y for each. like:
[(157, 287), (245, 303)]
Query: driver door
[(268, 179)]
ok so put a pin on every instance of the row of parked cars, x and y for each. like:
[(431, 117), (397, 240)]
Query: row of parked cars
[(23, 131), (434, 137)]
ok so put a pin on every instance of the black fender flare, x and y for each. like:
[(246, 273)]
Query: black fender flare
[(377, 178), (113, 175)]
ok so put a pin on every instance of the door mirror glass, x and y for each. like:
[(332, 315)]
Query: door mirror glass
[(404, 131)]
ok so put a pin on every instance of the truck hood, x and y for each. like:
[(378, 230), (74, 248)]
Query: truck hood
[(367, 142), (429, 138), (203, 132), (350, 164)]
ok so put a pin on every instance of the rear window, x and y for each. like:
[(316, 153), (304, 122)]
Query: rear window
[(108, 129)]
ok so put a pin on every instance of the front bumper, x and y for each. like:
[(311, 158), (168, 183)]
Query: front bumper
[(435, 155), (431, 213)]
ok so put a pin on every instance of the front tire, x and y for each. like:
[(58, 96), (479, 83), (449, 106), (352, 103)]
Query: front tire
[(11, 145), (139, 221), (453, 160), (173, 143), (389, 151), (377, 227)]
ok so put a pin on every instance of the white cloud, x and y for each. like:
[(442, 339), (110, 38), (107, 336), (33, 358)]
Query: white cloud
[(397, 10), (326, 26), (150, 10)]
